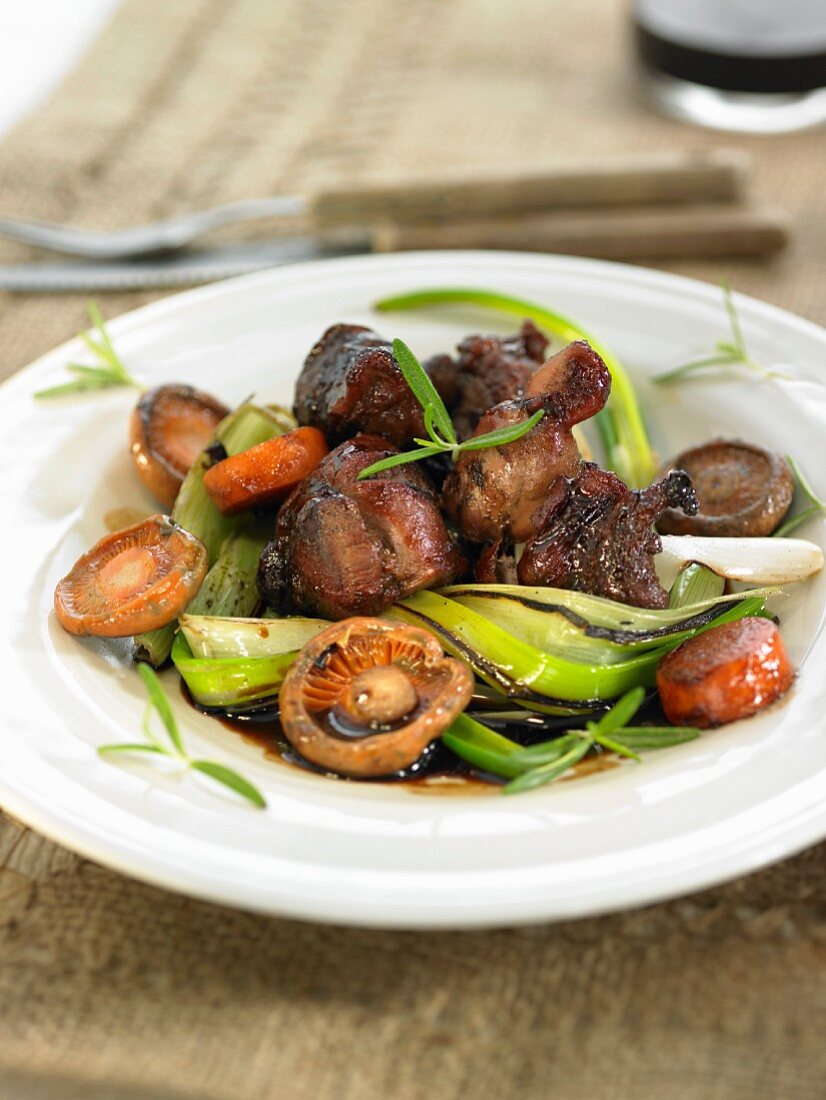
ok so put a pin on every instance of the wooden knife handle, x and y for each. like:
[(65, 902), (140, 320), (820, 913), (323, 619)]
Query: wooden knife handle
[(643, 180), (668, 232)]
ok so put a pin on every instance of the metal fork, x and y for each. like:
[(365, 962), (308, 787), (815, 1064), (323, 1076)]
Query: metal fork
[(147, 240), (641, 180)]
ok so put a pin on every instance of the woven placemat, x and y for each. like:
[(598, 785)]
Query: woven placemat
[(110, 990)]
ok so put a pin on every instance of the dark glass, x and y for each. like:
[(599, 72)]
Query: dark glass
[(756, 65)]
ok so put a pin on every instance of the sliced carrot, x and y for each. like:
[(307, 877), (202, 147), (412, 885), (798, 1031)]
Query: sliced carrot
[(170, 426), (134, 580), (726, 673), (265, 473)]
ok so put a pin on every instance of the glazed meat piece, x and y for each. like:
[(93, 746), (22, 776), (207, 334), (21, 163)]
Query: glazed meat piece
[(487, 370), (598, 536), (503, 490), (351, 383), (346, 547)]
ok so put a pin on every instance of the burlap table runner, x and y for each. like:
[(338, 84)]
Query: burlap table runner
[(110, 989)]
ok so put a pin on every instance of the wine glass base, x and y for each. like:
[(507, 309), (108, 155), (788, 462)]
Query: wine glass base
[(738, 112)]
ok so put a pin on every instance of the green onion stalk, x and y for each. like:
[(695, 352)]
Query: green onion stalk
[(621, 426)]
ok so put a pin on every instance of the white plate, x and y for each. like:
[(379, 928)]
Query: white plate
[(379, 854)]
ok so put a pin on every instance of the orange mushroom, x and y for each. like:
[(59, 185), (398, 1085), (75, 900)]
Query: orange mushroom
[(365, 697), (132, 581), (170, 426)]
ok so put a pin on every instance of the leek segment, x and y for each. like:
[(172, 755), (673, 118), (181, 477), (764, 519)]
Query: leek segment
[(536, 655), (216, 637), (230, 681), (532, 675)]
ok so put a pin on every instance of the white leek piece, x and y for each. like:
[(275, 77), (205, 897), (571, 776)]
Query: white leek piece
[(752, 560), (214, 636)]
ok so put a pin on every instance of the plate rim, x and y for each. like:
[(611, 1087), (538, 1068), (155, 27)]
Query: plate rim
[(789, 837)]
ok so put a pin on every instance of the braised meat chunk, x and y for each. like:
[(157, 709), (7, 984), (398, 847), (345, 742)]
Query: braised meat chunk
[(351, 383), (346, 547), (598, 536), (503, 490), (487, 370)]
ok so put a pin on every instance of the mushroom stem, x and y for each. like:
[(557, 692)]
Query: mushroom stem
[(381, 694)]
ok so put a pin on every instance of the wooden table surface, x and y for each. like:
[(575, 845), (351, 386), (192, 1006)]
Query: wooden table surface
[(110, 989)]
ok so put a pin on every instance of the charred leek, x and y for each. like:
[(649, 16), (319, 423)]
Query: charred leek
[(588, 629), (534, 676)]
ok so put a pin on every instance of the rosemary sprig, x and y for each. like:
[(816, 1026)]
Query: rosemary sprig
[(110, 371), (528, 768), (621, 424), (817, 506), (438, 425), (726, 353), (159, 704)]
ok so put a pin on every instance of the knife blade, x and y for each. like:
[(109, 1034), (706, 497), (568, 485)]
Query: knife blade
[(183, 269)]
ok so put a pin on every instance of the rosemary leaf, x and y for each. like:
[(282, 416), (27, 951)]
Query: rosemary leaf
[(111, 373), (619, 715), (792, 524), (655, 737), (222, 774), (716, 360), (727, 352), (500, 436), (538, 777), (423, 389), (127, 746), (161, 704), (817, 508), (78, 386), (613, 745), (399, 460)]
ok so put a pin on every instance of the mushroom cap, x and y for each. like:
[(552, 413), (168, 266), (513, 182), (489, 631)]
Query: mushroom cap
[(317, 712), (744, 490), (169, 428)]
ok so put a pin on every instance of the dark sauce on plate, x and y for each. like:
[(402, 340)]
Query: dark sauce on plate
[(438, 771)]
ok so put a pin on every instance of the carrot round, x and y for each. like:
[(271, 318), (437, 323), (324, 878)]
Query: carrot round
[(132, 581), (726, 673), (264, 473)]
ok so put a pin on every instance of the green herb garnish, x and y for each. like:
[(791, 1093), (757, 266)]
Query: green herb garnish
[(726, 353), (628, 451), (110, 372), (441, 433), (531, 767), (159, 704), (817, 506)]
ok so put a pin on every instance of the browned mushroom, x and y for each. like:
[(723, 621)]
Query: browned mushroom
[(743, 490), (170, 427), (366, 697)]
